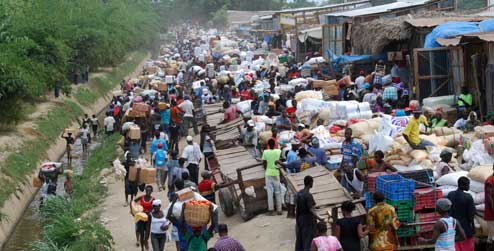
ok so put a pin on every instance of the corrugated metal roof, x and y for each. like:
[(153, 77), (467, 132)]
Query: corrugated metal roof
[(435, 21), (485, 36), (380, 8), (322, 7), (454, 41), (489, 12)]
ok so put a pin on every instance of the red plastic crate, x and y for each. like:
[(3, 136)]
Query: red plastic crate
[(426, 217), (424, 198), (371, 180)]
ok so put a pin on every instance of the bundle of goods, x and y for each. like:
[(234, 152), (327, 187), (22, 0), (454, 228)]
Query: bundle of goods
[(134, 132), (197, 213), (326, 141), (186, 195), (484, 131), (363, 128), (142, 174), (308, 94), (298, 82), (244, 106), (284, 89), (446, 131), (140, 107)]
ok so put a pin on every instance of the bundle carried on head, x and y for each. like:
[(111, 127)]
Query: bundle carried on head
[(197, 213)]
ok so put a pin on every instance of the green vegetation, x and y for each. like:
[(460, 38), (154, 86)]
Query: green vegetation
[(18, 166), (43, 42), (48, 129), (99, 86), (85, 96), (73, 224)]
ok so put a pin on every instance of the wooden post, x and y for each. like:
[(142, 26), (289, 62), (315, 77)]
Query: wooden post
[(475, 58)]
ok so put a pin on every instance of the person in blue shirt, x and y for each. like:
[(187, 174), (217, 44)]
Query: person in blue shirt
[(165, 120), (159, 162), (154, 144), (292, 154), (318, 153)]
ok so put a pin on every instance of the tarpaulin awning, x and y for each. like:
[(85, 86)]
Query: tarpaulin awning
[(312, 33)]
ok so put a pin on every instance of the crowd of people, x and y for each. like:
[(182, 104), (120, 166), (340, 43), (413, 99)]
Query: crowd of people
[(177, 115)]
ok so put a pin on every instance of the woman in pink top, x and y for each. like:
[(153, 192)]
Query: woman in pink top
[(323, 242)]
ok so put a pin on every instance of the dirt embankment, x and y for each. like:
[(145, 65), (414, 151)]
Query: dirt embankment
[(11, 143)]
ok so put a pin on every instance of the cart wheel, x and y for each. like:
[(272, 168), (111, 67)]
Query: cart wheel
[(246, 216), (226, 202)]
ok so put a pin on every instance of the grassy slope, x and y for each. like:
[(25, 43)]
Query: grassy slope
[(66, 223), (16, 168)]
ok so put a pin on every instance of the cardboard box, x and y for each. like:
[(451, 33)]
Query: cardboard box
[(331, 91), (136, 114), (134, 132), (162, 87), (171, 71), (70, 130), (146, 175), (185, 194), (140, 107), (152, 69)]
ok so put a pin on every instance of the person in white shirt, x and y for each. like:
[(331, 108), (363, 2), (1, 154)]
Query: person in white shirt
[(461, 122), (84, 133), (109, 123), (360, 80), (180, 77), (188, 108), (192, 154)]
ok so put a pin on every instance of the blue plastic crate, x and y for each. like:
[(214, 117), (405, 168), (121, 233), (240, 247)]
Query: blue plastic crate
[(369, 201), (395, 187)]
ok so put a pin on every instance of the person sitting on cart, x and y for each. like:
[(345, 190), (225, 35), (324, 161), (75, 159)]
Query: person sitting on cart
[(304, 162), (207, 187)]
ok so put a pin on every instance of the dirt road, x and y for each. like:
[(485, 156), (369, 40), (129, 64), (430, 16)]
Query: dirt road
[(261, 233)]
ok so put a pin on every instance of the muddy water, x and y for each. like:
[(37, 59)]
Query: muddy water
[(28, 230)]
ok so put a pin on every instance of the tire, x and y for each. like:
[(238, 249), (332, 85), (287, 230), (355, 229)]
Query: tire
[(246, 216), (226, 202)]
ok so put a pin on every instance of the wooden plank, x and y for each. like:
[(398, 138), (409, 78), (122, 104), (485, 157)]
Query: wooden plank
[(233, 155), (230, 150)]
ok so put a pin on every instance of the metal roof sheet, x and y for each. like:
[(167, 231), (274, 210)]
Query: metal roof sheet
[(380, 8)]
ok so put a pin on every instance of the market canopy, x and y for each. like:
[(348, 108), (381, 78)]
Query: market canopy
[(312, 33)]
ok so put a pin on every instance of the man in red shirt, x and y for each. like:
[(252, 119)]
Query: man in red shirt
[(489, 210), (207, 187)]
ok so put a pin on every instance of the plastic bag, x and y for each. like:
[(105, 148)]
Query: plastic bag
[(380, 141)]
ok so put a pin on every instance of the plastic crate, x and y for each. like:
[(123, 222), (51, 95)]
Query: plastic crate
[(404, 209), (395, 187), (425, 177), (426, 217), (405, 231), (425, 199), (371, 180), (369, 201)]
